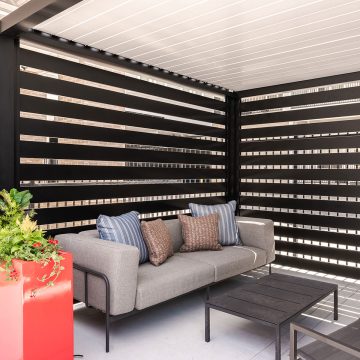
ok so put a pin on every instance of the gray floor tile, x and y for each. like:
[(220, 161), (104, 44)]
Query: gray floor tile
[(175, 330)]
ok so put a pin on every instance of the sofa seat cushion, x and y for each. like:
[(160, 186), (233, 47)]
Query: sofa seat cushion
[(231, 261), (175, 277)]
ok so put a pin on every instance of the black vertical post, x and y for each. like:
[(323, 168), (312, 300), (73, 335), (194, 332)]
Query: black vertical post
[(8, 111), (233, 148)]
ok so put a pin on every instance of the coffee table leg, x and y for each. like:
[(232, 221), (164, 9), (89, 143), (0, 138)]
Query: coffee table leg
[(278, 344), (336, 305), (207, 323)]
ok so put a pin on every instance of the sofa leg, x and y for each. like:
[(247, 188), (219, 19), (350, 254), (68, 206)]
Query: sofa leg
[(270, 269), (107, 287), (207, 293), (86, 289), (107, 333)]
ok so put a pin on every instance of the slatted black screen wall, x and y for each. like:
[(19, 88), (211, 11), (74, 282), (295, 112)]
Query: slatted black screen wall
[(97, 141), (300, 166)]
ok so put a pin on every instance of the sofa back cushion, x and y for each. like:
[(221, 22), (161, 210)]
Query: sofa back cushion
[(228, 230), (90, 234), (123, 229), (174, 228)]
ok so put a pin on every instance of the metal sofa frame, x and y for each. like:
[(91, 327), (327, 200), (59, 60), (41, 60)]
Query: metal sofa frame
[(113, 318)]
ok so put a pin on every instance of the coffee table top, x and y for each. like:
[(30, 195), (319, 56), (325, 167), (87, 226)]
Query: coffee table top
[(274, 299)]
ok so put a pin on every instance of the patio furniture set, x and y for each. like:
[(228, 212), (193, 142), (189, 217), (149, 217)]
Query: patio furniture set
[(108, 277)]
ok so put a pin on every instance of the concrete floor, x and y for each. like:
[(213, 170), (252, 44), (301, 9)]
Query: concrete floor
[(175, 330)]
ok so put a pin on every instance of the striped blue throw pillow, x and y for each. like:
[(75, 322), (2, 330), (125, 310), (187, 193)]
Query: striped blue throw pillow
[(228, 230), (123, 229)]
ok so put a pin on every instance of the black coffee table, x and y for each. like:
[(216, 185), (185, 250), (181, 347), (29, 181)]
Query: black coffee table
[(274, 300)]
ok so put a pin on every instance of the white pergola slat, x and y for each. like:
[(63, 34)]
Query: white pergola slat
[(237, 44)]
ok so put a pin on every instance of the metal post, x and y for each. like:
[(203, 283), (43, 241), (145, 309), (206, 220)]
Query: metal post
[(233, 148), (9, 93)]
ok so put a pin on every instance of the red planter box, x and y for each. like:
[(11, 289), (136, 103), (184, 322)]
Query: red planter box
[(37, 320)]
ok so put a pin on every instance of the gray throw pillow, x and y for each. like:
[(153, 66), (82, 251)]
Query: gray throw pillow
[(123, 229)]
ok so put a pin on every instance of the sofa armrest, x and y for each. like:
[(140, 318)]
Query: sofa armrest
[(336, 343), (258, 233), (119, 262)]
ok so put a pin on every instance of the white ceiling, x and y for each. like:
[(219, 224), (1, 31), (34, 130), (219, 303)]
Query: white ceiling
[(238, 44), (8, 6)]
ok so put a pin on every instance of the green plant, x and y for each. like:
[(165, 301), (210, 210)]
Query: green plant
[(22, 239)]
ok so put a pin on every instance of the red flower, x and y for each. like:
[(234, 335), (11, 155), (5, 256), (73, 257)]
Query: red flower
[(13, 274), (53, 241), (37, 244)]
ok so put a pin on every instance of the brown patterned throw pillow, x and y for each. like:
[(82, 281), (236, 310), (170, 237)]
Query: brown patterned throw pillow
[(158, 241), (200, 233)]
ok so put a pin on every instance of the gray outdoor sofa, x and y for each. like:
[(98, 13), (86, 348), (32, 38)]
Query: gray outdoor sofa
[(108, 277)]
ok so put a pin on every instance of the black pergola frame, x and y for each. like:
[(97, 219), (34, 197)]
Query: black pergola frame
[(9, 94), (18, 25), (9, 105)]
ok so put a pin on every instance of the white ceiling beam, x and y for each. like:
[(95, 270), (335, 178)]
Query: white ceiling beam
[(31, 14)]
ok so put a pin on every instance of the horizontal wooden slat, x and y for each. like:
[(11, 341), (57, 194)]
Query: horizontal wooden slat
[(317, 82), (76, 213), (82, 152), (38, 105), (69, 192), (304, 99), (319, 266), (305, 114), (333, 238), (302, 204), (64, 88), (73, 172), (184, 108), (320, 251), (302, 129), (301, 174), (330, 142), (85, 72), (73, 131), (321, 140), (301, 159), (303, 189), (314, 220)]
